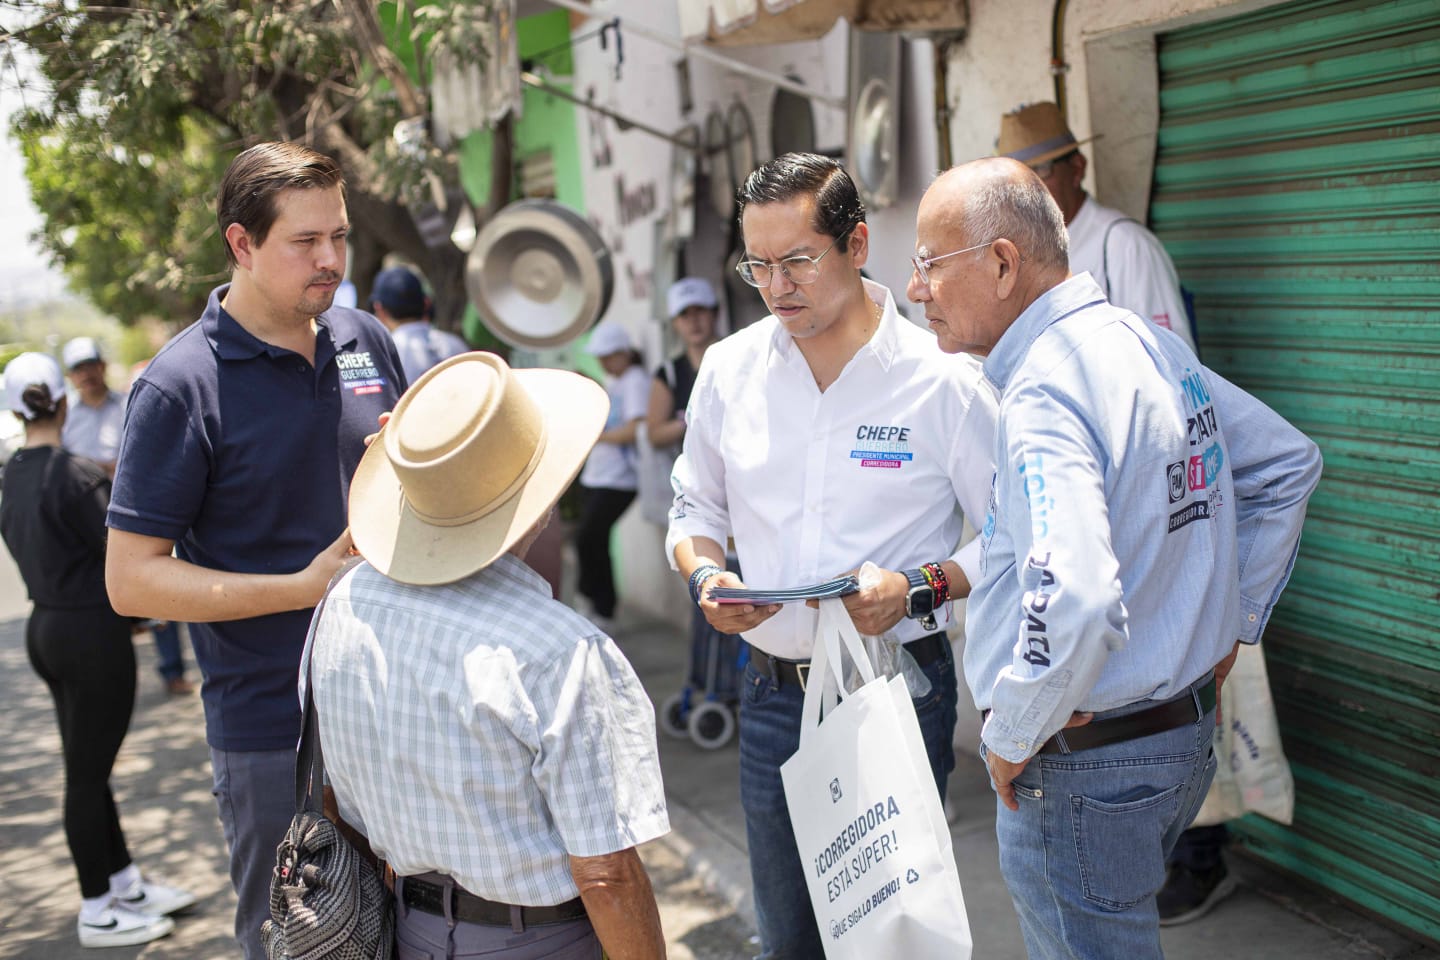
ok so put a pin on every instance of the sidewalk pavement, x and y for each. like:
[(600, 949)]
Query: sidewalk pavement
[(1271, 917), (163, 781)]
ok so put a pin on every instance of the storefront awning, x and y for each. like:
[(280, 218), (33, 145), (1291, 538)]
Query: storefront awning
[(747, 22)]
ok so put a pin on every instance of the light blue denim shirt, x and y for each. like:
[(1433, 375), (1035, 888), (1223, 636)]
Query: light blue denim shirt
[(1145, 515)]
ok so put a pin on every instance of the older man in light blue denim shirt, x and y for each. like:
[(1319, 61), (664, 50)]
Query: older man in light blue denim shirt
[(1144, 518)]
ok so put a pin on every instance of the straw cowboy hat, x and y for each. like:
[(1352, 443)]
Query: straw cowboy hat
[(1035, 132), (472, 458)]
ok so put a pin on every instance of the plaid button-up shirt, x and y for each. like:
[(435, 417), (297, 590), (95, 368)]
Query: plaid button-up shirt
[(482, 730)]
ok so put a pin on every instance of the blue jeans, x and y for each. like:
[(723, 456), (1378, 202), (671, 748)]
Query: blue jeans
[(171, 665), (770, 735), (255, 793), (1085, 854)]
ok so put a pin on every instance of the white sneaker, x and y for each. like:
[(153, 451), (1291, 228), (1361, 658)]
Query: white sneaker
[(156, 899), (119, 926)]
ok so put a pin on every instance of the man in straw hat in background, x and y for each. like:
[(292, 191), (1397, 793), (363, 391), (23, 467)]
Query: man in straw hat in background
[(1124, 558), (1127, 260), (240, 440), (495, 747)]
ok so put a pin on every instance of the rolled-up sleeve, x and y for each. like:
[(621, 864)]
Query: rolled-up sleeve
[(700, 507), (597, 764)]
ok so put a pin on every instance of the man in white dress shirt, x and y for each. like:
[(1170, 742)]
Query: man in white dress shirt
[(495, 748), (1127, 260), (830, 433)]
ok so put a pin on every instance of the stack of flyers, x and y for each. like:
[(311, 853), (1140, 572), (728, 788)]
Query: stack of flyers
[(839, 587)]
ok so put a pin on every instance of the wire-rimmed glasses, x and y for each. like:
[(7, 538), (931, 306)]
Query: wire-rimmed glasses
[(798, 270), (922, 264)]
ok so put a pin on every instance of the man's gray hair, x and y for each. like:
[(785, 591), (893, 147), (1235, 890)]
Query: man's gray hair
[(1022, 211)]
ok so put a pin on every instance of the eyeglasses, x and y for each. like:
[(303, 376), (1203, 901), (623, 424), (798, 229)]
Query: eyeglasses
[(798, 270), (922, 264), (1043, 170)]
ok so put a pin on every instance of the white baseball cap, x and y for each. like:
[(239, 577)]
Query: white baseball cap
[(27, 370), (81, 350), (608, 338), (689, 292)]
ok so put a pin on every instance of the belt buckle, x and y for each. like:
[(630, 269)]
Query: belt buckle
[(802, 673)]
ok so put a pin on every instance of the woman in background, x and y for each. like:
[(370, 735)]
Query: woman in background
[(52, 517), (691, 304), (610, 478)]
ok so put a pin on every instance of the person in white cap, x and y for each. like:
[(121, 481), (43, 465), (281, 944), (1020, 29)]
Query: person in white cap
[(691, 305), (97, 413), (610, 478), (496, 749), (52, 518), (1127, 260)]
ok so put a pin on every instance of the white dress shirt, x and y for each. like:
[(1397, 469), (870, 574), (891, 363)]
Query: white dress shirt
[(482, 730), (1146, 516), (885, 465), (1131, 266)]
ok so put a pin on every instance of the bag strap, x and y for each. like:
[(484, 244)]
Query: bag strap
[(309, 758), (833, 629), (1105, 250)]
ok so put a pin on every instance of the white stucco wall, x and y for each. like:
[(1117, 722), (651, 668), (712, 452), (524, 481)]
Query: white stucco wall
[(625, 170), (1111, 86)]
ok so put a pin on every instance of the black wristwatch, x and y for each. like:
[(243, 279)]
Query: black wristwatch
[(920, 600)]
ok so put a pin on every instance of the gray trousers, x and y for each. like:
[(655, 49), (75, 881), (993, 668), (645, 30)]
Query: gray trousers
[(255, 794), (425, 936)]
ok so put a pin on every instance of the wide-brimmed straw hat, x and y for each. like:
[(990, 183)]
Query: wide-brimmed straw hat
[(1034, 133), (473, 456)]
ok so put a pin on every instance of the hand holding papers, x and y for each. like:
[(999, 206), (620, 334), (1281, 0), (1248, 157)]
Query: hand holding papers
[(839, 587)]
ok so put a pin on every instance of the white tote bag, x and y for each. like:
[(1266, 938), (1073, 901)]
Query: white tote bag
[(1251, 772), (868, 822)]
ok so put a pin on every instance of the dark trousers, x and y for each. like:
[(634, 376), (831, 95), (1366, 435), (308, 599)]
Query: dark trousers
[(602, 507), (1198, 849), (85, 657)]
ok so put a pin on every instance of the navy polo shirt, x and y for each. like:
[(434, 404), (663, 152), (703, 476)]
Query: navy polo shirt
[(242, 453)]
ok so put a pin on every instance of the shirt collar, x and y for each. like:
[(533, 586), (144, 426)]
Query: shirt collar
[(510, 567), (883, 343), (231, 341), (1054, 304)]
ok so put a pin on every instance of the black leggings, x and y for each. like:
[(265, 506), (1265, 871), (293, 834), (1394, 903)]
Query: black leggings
[(602, 507), (85, 657)]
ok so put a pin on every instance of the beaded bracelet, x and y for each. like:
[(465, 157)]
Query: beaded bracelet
[(698, 577), (935, 576)]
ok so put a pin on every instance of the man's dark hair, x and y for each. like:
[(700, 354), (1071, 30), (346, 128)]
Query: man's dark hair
[(838, 207), (259, 175)]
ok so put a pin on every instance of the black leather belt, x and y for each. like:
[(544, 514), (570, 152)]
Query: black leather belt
[(1168, 715), (468, 908), (926, 651)]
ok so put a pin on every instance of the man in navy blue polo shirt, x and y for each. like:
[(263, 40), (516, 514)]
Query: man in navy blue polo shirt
[(240, 440)]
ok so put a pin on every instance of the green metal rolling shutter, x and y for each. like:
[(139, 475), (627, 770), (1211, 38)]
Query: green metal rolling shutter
[(1297, 187)]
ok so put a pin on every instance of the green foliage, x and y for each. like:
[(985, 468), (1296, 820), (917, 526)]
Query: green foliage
[(135, 232), (149, 100)]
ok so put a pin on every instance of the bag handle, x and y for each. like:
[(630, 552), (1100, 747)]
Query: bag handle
[(309, 758), (833, 629)]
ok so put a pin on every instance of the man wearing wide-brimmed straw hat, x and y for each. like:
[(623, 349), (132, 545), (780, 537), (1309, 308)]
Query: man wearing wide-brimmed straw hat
[(1127, 260), (494, 746)]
